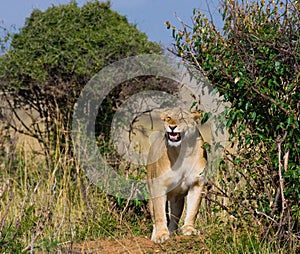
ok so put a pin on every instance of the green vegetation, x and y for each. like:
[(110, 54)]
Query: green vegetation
[(57, 52), (254, 61), (47, 203), (47, 200)]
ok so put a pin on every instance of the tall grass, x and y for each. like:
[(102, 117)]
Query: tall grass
[(44, 207), (47, 208)]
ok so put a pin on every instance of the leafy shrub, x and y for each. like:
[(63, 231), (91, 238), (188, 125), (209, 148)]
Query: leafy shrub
[(56, 53), (254, 62)]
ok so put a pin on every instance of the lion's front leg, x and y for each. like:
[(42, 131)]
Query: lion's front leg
[(160, 231), (193, 202)]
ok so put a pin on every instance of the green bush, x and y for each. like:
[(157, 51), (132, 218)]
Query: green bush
[(254, 62), (57, 52)]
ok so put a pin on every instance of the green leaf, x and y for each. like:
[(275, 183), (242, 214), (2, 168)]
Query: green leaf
[(205, 117)]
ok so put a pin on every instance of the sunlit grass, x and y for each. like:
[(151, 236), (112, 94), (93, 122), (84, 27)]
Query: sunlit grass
[(45, 208)]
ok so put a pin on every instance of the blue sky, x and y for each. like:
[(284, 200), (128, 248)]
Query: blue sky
[(149, 15)]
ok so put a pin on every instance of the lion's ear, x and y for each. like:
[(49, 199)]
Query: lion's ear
[(197, 115), (164, 114)]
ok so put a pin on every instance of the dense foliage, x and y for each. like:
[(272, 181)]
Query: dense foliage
[(254, 61), (58, 51), (44, 68)]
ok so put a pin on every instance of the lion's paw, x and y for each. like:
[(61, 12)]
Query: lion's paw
[(160, 237), (190, 230)]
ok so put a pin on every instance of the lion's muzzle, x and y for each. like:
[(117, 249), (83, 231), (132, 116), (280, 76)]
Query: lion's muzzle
[(174, 136)]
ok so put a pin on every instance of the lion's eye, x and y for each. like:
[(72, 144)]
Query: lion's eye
[(168, 118)]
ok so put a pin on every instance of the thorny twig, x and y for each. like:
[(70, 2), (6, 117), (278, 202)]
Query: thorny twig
[(127, 202), (281, 180)]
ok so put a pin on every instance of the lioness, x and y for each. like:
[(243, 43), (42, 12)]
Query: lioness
[(176, 169)]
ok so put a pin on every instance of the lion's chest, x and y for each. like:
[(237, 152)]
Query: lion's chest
[(181, 183), (184, 172)]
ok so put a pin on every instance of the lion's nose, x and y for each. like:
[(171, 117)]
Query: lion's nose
[(173, 127)]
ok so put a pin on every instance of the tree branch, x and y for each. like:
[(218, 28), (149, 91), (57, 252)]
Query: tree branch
[(275, 102)]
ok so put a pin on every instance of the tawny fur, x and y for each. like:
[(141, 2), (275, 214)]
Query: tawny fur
[(176, 170)]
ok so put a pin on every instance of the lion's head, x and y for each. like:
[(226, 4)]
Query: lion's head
[(178, 123)]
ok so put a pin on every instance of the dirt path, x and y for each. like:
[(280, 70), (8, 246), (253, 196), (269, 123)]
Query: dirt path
[(137, 245)]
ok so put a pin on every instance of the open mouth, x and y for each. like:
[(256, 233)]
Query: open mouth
[(174, 136)]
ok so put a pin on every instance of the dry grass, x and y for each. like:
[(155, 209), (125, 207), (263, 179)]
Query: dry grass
[(55, 208), (44, 207)]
